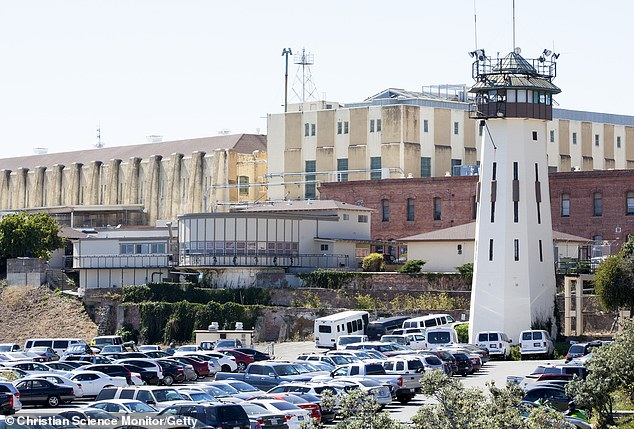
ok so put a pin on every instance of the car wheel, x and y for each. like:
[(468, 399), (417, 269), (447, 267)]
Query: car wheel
[(241, 366), (53, 401), (226, 368), (153, 381), (404, 399), (168, 380)]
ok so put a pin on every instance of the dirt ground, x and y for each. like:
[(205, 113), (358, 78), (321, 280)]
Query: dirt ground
[(38, 312)]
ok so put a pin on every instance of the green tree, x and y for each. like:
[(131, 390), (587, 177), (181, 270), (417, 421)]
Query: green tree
[(412, 267), (32, 235), (614, 281)]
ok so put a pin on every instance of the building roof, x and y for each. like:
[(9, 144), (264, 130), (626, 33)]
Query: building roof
[(241, 143), (466, 232), (306, 205)]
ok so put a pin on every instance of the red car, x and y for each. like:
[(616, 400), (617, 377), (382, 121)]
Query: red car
[(242, 359), (315, 409), (201, 368)]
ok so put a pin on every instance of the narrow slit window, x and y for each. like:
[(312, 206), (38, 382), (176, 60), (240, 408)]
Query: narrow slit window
[(516, 249), (490, 249), (541, 253)]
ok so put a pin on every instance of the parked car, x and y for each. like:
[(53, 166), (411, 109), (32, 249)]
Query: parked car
[(175, 372), (9, 347), (236, 388), (10, 389), (157, 354), (78, 349), (86, 417), (217, 416), (6, 403), (536, 343), (78, 391), (66, 365), (342, 340), (149, 348), (201, 368), (112, 369), (555, 395), (257, 355), (146, 363), (496, 342), (105, 340), (124, 406), (313, 407), (224, 363), (148, 376), (463, 363), (93, 381), (227, 344), (157, 397), (43, 392), (242, 359), (94, 359), (579, 350), (388, 349), (263, 417)]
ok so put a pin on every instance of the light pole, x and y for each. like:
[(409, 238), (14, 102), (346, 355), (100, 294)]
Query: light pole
[(285, 53)]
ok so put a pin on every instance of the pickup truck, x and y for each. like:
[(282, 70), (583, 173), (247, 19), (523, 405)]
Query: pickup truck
[(265, 375), (403, 387)]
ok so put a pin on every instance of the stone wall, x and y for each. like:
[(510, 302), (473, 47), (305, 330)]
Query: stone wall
[(26, 271)]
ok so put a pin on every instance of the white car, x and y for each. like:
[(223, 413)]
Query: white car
[(183, 350), (536, 342), (30, 367), (59, 379), (93, 381), (124, 406), (297, 415)]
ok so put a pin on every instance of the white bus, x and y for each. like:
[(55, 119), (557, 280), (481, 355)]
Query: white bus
[(329, 328), (429, 321)]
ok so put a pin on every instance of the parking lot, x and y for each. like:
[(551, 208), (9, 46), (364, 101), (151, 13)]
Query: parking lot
[(493, 371)]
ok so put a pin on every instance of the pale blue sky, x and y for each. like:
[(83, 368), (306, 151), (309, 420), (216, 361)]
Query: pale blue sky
[(190, 68)]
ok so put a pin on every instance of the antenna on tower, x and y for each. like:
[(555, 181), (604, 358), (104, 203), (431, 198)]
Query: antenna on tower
[(475, 24), (308, 90), (99, 143), (514, 45)]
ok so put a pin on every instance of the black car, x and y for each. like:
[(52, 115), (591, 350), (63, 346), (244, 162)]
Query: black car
[(554, 395), (94, 359), (257, 355), (113, 370), (148, 376), (171, 370), (43, 392), (463, 362), (157, 354), (581, 349), (220, 415)]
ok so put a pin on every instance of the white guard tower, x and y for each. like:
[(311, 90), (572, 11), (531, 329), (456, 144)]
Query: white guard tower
[(514, 274)]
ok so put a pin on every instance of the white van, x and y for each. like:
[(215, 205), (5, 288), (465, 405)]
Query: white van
[(429, 321), (58, 344), (329, 328), (497, 342), (536, 342), (440, 337), (349, 339)]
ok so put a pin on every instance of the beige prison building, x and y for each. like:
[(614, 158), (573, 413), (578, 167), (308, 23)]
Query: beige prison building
[(137, 184), (398, 133)]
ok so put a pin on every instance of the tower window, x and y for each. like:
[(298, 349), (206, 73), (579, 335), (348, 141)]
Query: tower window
[(385, 210), (490, 249), (516, 249), (339, 127), (459, 248), (598, 204), (618, 142), (310, 189), (306, 129), (425, 125), (565, 205), (425, 166), (243, 185), (480, 128), (552, 136), (346, 127), (378, 125), (541, 252), (342, 166), (630, 203), (437, 209), (371, 125), (574, 138), (596, 140), (375, 166), (313, 129), (535, 135), (410, 209), (456, 128)]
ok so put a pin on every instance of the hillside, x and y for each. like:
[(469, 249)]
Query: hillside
[(38, 312)]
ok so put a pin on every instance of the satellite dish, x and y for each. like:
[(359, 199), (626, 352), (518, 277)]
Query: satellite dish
[(518, 50)]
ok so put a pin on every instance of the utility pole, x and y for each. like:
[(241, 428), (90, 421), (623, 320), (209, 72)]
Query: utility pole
[(285, 53)]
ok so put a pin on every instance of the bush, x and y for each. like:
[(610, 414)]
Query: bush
[(373, 262), (326, 279), (466, 271), (412, 267), (176, 292), (463, 332)]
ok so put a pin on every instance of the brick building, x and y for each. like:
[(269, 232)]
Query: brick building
[(598, 205)]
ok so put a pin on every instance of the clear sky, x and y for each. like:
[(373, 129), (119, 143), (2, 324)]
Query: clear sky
[(190, 68)]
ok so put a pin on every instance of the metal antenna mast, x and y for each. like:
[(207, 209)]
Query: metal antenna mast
[(285, 53), (308, 90), (99, 143)]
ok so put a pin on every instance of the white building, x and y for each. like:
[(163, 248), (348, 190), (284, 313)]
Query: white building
[(115, 257), (445, 249)]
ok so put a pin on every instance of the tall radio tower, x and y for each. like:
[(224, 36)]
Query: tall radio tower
[(308, 90)]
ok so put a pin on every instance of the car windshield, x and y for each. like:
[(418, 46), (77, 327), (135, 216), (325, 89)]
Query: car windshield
[(577, 349), (201, 397), (215, 391), (254, 409), (243, 387), (339, 360), (164, 395), (282, 370), (438, 337), (139, 407), (227, 389), (433, 360)]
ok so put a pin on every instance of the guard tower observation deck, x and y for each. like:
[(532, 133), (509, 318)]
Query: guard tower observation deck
[(513, 87)]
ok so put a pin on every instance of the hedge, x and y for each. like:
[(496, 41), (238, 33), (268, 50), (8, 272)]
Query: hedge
[(175, 292), (164, 322)]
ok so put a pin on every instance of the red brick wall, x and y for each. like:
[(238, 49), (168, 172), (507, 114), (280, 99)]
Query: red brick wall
[(456, 194)]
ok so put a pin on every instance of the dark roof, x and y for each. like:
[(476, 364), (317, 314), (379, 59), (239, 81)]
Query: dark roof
[(241, 143)]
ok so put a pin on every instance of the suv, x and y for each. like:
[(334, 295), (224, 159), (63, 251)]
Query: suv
[(536, 343), (217, 415), (578, 350), (158, 397), (7, 388), (498, 343)]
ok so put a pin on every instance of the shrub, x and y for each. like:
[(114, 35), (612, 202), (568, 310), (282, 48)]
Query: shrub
[(327, 279), (412, 267), (463, 332), (372, 262), (466, 271)]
